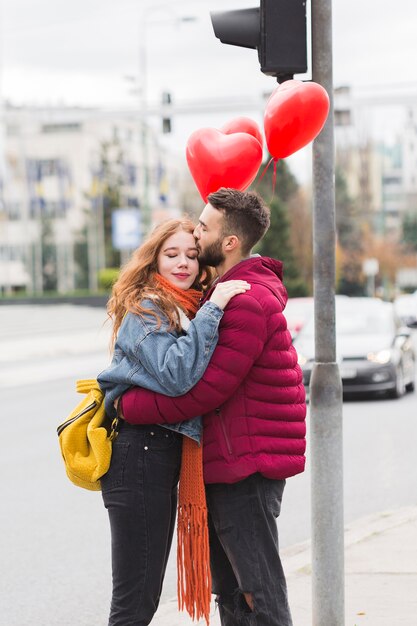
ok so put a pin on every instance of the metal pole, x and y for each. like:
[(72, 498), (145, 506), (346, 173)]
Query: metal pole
[(325, 387)]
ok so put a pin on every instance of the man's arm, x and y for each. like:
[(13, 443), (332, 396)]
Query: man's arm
[(242, 335)]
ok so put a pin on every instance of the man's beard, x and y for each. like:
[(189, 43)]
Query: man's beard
[(212, 255)]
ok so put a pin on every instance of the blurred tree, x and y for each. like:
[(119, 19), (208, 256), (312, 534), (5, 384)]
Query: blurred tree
[(277, 244), (390, 258), (278, 241), (299, 213), (286, 183)]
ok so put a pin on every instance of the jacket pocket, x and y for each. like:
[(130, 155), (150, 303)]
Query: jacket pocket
[(226, 436)]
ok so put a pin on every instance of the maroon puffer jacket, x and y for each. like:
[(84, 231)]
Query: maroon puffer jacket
[(251, 394)]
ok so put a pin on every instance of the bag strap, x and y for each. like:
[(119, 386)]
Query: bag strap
[(85, 385)]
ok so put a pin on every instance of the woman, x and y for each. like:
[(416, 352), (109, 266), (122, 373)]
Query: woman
[(156, 294)]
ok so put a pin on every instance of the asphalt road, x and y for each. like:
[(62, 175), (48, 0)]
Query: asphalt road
[(54, 537)]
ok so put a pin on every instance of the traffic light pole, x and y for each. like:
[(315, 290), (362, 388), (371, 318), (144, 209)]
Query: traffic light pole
[(326, 431)]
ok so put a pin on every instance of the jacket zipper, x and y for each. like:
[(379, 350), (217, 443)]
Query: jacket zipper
[(73, 419), (223, 426)]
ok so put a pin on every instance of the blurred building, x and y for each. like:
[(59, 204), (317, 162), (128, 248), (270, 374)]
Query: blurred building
[(381, 177), (51, 188), (393, 191)]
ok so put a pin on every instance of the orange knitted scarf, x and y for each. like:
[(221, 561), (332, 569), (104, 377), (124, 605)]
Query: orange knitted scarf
[(193, 557), (187, 299)]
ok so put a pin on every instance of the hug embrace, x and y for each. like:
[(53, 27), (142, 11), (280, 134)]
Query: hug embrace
[(206, 381)]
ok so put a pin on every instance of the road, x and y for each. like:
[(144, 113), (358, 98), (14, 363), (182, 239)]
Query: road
[(54, 537)]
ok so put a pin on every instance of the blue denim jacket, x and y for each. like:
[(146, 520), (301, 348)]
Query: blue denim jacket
[(160, 359)]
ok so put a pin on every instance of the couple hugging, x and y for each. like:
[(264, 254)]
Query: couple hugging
[(206, 380)]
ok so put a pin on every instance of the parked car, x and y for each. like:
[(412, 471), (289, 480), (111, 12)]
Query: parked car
[(374, 350)]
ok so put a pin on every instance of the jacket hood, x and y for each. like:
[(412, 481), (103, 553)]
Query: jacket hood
[(260, 270)]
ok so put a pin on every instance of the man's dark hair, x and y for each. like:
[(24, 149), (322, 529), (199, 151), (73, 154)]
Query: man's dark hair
[(245, 215)]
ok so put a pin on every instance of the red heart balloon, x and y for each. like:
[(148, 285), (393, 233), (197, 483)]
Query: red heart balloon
[(219, 160), (295, 114), (243, 125)]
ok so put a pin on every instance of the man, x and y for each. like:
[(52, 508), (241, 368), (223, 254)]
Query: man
[(253, 402)]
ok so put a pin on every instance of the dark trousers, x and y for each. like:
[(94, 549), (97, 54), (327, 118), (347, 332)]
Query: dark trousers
[(244, 552), (140, 493)]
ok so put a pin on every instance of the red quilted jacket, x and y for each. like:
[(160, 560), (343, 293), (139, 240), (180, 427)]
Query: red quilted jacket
[(251, 395)]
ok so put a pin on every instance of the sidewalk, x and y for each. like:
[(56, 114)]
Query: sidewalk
[(381, 575), (46, 343)]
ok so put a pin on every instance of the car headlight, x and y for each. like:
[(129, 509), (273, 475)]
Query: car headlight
[(382, 357)]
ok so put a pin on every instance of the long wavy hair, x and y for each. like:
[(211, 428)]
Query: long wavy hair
[(137, 281)]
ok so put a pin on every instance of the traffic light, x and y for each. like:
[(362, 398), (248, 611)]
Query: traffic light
[(277, 29)]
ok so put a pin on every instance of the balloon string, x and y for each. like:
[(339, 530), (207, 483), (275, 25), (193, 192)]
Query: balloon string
[(266, 167), (274, 177)]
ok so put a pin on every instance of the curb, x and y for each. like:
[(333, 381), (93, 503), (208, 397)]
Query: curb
[(99, 300), (297, 558)]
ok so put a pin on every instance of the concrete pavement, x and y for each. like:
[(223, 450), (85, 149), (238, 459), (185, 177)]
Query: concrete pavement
[(381, 550), (381, 575)]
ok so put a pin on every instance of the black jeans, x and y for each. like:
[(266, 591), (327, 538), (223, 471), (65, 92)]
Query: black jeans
[(140, 493), (244, 552)]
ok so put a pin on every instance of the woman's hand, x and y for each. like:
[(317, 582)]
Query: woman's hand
[(225, 291), (118, 407)]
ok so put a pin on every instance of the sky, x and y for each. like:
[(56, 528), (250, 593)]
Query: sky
[(80, 53)]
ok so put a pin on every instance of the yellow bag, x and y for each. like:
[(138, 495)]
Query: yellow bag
[(85, 438)]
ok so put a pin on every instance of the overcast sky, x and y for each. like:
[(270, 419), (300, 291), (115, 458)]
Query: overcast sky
[(79, 52)]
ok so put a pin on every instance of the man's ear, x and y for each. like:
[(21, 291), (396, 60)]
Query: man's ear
[(231, 242)]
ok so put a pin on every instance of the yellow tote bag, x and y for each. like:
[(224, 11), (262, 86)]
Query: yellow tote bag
[(86, 438)]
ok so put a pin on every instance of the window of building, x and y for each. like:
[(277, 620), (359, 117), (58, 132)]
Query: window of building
[(12, 253), (65, 127), (342, 117), (48, 167), (53, 209), (14, 210)]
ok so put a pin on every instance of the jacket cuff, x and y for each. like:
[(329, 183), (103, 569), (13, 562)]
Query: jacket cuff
[(210, 308), (127, 406)]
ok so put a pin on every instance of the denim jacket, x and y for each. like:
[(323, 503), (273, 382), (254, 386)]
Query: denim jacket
[(162, 360)]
